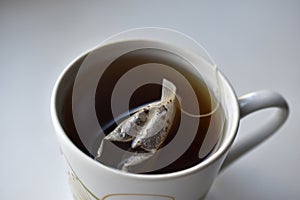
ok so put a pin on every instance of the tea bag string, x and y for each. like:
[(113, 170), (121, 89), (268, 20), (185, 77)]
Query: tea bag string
[(196, 115), (213, 110)]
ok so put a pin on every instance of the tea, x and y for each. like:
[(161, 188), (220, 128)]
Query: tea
[(135, 78)]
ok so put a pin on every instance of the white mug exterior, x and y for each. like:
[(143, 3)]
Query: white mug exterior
[(90, 179), (101, 181)]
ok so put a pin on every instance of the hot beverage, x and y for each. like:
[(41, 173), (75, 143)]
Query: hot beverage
[(197, 124)]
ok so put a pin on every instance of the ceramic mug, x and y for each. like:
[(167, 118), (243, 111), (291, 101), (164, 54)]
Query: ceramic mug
[(90, 179)]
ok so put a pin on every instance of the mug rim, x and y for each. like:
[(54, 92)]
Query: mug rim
[(223, 149)]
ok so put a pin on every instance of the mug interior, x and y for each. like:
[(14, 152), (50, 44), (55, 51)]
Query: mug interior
[(63, 113)]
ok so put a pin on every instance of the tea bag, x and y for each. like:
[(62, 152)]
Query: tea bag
[(146, 129)]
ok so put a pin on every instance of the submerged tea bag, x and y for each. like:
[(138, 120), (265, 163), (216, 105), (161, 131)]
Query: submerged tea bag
[(146, 129)]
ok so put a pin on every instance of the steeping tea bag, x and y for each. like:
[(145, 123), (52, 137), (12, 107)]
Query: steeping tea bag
[(146, 129)]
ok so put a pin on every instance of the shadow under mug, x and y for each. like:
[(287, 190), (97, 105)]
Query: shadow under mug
[(90, 179)]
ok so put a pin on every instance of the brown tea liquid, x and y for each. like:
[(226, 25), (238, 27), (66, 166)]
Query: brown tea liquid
[(155, 64)]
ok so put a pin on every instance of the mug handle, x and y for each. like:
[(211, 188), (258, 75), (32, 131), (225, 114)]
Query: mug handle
[(250, 103)]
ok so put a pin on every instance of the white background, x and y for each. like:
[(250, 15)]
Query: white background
[(255, 43)]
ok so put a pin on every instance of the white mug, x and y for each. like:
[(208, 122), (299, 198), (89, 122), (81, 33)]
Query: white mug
[(91, 180)]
